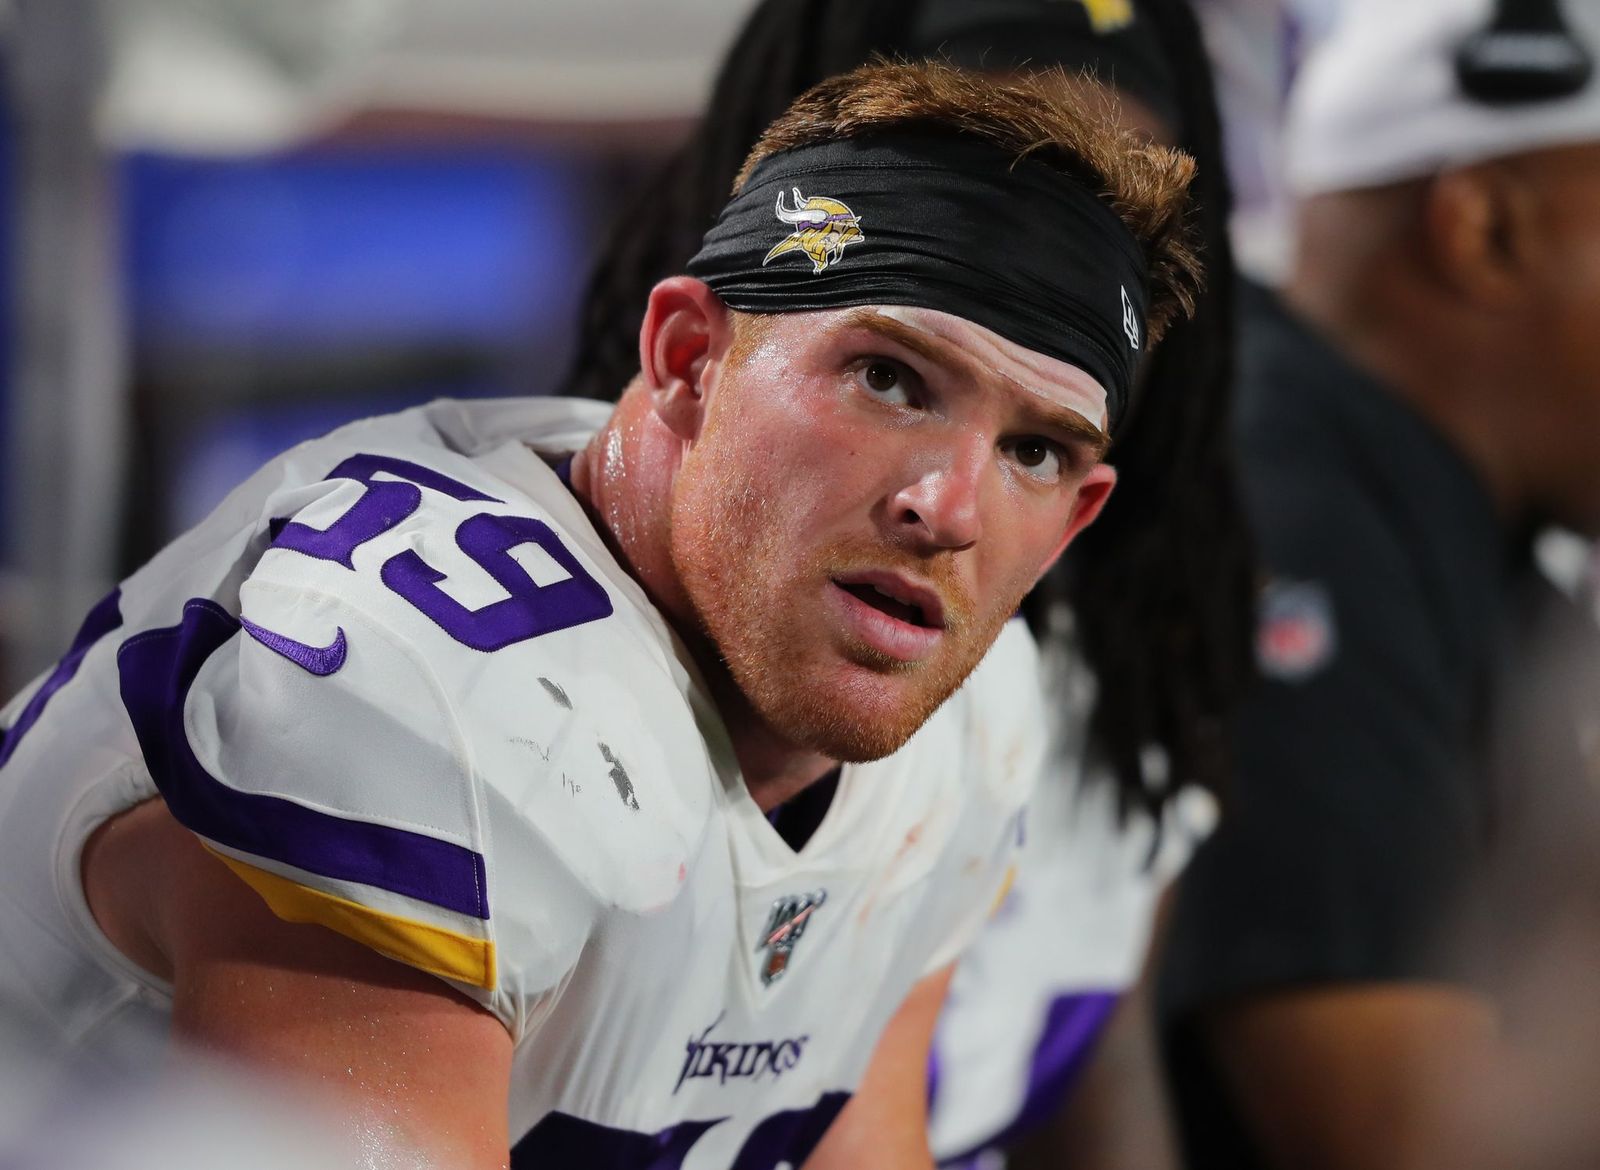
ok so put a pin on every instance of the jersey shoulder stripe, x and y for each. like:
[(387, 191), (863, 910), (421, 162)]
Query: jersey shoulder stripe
[(105, 617), (157, 669), (438, 950), (250, 830), (407, 683)]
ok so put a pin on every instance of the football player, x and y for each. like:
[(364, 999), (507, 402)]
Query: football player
[(626, 781), (1146, 624)]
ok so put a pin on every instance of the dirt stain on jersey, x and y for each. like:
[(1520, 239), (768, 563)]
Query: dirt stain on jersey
[(619, 777), (913, 835), (556, 693), (542, 752)]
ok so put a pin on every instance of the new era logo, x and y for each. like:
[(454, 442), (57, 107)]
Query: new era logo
[(1130, 319)]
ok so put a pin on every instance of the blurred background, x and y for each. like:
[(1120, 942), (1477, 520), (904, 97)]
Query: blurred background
[(230, 225), (233, 225)]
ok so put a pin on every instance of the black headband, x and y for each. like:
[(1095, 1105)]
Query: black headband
[(937, 221)]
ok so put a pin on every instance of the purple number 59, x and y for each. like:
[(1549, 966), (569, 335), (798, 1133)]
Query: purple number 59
[(528, 610)]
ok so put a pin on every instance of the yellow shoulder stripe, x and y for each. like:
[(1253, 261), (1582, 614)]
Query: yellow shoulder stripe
[(419, 944)]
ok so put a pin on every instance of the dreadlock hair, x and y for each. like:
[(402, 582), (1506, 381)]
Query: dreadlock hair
[(1160, 588)]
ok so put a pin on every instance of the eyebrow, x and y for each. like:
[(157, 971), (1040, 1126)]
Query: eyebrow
[(945, 354)]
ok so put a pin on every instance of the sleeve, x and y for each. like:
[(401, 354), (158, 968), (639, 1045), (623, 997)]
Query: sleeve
[(318, 756), (1353, 815)]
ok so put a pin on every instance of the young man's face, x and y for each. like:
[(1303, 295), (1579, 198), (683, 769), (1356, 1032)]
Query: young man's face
[(872, 493)]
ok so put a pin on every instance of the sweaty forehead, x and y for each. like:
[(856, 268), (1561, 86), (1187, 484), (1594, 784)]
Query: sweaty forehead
[(1054, 381)]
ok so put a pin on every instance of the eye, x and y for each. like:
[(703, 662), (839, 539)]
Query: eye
[(886, 380), (1038, 457)]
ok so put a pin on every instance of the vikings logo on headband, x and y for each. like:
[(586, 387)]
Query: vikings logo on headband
[(823, 229)]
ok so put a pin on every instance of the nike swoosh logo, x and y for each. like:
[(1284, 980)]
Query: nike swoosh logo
[(319, 660)]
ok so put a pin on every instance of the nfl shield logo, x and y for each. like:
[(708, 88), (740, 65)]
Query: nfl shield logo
[(1296, 637), (790, 914)]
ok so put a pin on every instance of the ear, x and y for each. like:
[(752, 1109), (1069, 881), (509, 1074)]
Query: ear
[(1481, 228), (1092, 496), (682, 344)]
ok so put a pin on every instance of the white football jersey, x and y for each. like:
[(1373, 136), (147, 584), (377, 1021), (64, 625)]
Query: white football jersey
[(399, 685), (1035, 990)]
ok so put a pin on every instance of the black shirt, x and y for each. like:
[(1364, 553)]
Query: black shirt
[(1361, 802)]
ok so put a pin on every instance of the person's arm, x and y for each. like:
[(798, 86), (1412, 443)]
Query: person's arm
[(418, 1069), (1117, 1115), (1313, 968), (1344, 1077), (885, 1125)]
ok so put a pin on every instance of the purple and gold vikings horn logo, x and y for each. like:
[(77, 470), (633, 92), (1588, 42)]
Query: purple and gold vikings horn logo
[(823, 229)]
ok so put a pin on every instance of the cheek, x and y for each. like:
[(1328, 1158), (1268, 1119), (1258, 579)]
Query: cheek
[(820, 468), (1027, 538), (769, 482)]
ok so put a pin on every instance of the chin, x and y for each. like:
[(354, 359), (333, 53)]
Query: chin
[(846, 736), (865, 715)]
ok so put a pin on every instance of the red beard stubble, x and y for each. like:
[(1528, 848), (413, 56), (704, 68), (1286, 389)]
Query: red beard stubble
[(750, 594)]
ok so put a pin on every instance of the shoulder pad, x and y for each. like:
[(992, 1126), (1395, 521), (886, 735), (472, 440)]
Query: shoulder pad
[(353, 750)]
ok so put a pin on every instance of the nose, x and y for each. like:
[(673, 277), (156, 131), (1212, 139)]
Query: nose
[(938, 507)]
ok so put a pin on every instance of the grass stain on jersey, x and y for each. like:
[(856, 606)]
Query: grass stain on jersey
[(555, 692), (619, 777)]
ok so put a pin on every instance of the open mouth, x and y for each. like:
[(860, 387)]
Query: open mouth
[(909, 612)]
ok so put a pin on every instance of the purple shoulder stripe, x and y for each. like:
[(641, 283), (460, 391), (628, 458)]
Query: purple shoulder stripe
[(1072, 1029), (101, 620), (156, 670)]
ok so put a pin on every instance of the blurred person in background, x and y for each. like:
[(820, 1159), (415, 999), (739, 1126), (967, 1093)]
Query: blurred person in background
[(1256, 48), (1532, 933), (434, 767), (1147, 619), (1425, 400)]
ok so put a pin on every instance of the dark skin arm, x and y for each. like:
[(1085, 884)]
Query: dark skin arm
[(1345, 1077), (414, 1066), (1117, 1116)]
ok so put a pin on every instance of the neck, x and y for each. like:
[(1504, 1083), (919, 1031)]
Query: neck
[(774, 768), (624, 480)]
